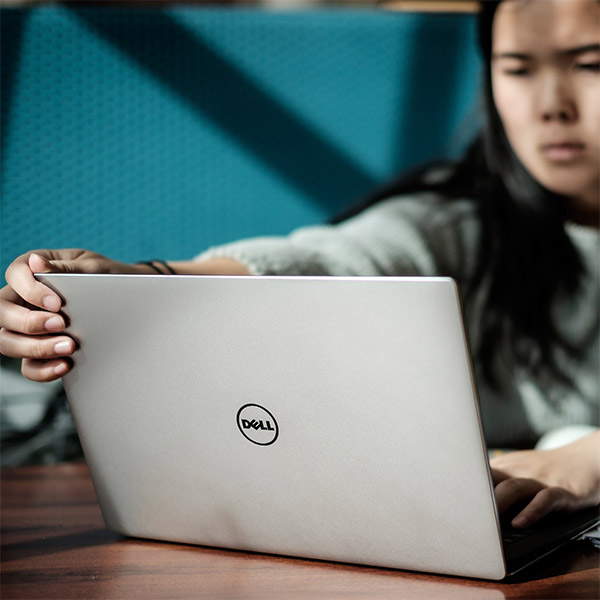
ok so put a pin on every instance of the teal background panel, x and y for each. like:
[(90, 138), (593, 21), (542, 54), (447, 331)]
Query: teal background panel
[(144, 133)]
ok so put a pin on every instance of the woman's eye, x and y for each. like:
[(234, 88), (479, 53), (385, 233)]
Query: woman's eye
[(517, 72), (593, 67)]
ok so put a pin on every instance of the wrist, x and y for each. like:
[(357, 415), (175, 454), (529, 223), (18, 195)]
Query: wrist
[(154, 267), (142, 269)]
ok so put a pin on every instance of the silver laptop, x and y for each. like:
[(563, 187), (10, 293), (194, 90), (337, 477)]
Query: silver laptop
[(328, 418)]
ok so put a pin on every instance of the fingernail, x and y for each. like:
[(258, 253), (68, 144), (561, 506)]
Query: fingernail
[(38, 258), (52, 303), (519, 521), (61, 369), (62, 348), (54, 324)]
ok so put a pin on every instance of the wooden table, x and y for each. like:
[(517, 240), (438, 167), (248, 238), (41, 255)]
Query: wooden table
[(55, 545)]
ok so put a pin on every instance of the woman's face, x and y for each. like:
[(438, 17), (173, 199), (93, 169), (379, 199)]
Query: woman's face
[(546, 86)]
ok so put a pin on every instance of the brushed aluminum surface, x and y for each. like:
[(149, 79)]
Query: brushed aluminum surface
[(379, 456)]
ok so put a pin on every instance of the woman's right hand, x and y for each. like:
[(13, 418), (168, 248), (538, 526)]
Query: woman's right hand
[(31, 326)]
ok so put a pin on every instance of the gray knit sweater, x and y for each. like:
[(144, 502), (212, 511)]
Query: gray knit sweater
[(426, 236)]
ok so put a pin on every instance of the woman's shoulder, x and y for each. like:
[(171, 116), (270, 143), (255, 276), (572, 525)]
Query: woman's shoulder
[(428, 208), (447, 230), (441, 220)]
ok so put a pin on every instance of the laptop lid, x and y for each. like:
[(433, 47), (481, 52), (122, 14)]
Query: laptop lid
[(328, 418)]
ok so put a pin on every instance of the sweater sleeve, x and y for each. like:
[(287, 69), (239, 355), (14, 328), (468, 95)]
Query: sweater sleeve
[(405, 236)]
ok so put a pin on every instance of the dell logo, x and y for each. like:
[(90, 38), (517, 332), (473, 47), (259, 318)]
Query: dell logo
[(264, 425), (257, 424)]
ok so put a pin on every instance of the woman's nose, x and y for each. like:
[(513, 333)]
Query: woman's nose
[(556, 103)]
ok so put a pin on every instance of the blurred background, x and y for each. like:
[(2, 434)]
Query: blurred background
[(416, 5), (157, 129)]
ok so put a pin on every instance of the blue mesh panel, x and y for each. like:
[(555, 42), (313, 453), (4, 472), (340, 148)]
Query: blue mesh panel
[(146, 132)]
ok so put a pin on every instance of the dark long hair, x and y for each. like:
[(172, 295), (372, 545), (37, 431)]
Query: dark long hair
[(524, 245)]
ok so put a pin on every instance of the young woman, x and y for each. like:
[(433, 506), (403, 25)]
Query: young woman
[(516, 223)]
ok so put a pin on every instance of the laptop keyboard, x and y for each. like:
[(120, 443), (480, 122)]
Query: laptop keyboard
[(522, 546), (510, 535)]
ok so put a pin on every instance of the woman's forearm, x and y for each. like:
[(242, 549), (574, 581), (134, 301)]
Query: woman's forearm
[(213, 266)]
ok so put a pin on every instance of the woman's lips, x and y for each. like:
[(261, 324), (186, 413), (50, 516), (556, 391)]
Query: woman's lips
[(563, 151)]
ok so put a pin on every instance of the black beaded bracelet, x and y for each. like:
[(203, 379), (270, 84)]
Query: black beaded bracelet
[(151, 264)]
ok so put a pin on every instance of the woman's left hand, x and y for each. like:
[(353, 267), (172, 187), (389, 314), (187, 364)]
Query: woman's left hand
[(562, 479)]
